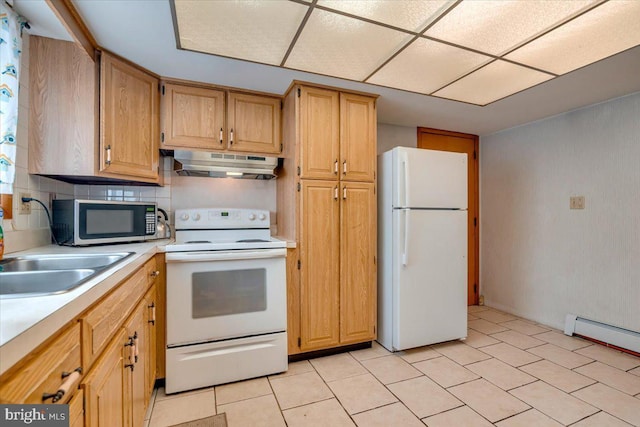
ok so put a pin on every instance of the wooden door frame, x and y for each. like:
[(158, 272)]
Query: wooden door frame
[(473, 210)]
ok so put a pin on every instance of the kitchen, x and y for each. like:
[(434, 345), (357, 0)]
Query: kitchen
[(516, 168)]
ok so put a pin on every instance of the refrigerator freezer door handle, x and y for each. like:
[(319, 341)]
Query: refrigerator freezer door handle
[(405, 250), (405, 164)]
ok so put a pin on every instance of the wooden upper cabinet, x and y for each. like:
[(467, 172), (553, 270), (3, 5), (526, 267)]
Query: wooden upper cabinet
[(192, 117), (204, 118), (358, 279), (63, 98), (319, 256), (129, 129), (319, 123), (254, 123), (357, 137)]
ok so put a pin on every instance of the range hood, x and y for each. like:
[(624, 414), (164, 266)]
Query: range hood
[(223, 165)]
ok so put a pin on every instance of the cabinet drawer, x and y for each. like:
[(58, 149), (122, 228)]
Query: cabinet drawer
[(44, 372), (102, 321)]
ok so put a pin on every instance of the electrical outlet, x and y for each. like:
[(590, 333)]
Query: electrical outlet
[(576, 202), (25, 208)]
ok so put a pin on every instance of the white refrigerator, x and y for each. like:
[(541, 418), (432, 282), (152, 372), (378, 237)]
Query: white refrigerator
[(422, 276)]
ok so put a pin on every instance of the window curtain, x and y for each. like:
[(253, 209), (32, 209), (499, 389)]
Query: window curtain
[(10, 49)]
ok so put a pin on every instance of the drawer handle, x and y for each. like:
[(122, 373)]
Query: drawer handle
[(70, 378), (155, 273), (152, 318)]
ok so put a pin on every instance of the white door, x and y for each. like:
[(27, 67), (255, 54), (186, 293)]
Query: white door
[(429, 277), (429, 179), (225, 294)]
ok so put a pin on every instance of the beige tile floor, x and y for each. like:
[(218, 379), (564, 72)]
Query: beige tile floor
[(509, 372)]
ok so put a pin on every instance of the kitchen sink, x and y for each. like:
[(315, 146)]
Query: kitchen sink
[(44, 282), (61, 262), (36, 275)]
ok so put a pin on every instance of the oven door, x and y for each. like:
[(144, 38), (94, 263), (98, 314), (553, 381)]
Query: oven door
[(216, 295)]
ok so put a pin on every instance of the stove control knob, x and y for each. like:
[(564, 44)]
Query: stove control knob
[(252, 217), (196, 217), (184, 217), (262, 217)]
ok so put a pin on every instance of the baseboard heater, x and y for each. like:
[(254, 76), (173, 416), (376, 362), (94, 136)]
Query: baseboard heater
[(618, 337)]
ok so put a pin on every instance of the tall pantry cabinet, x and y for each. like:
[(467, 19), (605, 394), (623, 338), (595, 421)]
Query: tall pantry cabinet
[(327, 204)]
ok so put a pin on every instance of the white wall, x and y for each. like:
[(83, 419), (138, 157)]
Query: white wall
[(541, 260), (199, 192), (390, 136)]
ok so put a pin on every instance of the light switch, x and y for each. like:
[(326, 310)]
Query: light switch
[(576, 202)]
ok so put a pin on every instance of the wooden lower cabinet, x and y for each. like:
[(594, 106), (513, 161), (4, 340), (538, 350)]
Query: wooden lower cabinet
[(358, 278), (106, 387), (76, 409), (45, 371), (121, 382), (150, 356), (319, 265), (337, 265)]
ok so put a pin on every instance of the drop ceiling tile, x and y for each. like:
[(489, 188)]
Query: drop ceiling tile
[(412, 15), (492, 82), (425, 66), (497, 26), (604, 31), (344, 47), (254, 30)]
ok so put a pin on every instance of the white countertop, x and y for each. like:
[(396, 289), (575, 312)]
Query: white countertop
[(27, 322)]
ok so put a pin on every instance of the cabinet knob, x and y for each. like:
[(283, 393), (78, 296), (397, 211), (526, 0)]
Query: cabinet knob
[(155, 273)]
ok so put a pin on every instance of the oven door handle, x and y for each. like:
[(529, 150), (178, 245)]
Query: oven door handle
[(224, 255)]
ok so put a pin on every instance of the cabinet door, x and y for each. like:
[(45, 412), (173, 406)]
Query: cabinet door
[(106, 388), (192, 117), (254, 123), (128, 120), (357, 137), (136, 359), (319, 133), (357, 262), (63, 106), (319, 256)]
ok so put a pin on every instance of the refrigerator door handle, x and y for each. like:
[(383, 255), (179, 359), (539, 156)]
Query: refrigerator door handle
[(405, 250)]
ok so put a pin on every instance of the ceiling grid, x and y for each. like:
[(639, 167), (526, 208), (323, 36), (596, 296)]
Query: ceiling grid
[(471, 51)]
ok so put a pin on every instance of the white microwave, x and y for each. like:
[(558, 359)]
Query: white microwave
[(79, 222)]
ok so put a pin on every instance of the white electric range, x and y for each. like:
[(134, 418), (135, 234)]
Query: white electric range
[(226, 298)]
